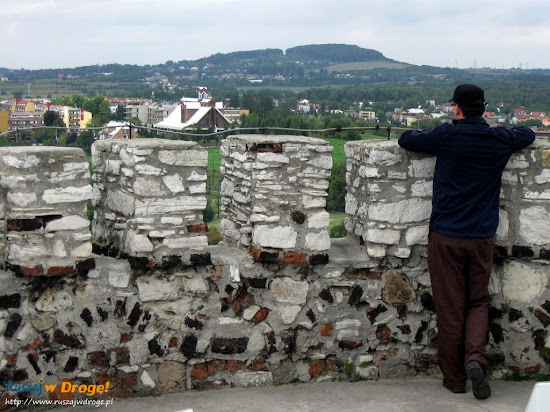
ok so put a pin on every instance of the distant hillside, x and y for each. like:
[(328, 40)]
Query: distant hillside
[(300, 67), (224, 58), (338, 53)]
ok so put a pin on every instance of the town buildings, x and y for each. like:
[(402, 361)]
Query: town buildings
[(23, 114), (116, 130), (201, 112)]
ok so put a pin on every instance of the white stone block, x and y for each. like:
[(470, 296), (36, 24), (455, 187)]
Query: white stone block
[(323, 162), (289, 313), (376, 251), (21, 199), (273, 158), (347, 334), (17, 182), (317, 241), (234, 273), (417, 235), (127, 158), (147, 381), (533, 225), (286, 290), (351, 204), (544, 177), (26, 251), (190, 158), (119, 279), (174, 183), (200, 188), (82, 251), (384, 236), (402, 252), (259, 218), (197, 177), (145, 169), (58, 249), (422, 189), (383, 158), (311, 202), (72, 222), (128, 172), (368, 172), (348, 323), (318, 220), (150, 288), (171, 220), (155, 206), (253, 379), (158, 234), (405, 211), (149, 187), (53, 301), (544, 195), (186, 242), (137, 243), (195, 285), (25, 163), (282, 237), (422, 168), (67, 194), (523, 283), (113, 166), (397, 175)]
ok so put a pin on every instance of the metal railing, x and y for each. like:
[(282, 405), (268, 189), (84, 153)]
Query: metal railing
[(260, 129)]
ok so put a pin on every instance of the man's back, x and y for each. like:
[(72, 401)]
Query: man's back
[(471, 157)]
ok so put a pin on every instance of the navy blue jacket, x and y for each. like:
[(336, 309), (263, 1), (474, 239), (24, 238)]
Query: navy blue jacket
[(468, 171)]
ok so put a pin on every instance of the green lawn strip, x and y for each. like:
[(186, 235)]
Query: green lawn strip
[(336, 218)]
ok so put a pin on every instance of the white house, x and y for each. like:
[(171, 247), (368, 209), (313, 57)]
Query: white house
[(202, 112)]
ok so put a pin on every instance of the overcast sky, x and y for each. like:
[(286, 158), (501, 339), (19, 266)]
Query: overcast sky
[(465, 33)]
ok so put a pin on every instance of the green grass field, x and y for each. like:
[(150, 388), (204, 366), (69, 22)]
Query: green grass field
[(214, 158), (338, 154), (59, 88), (335, 220)]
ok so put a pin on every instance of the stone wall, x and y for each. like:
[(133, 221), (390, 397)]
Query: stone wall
[(388, 206), (389, 199), (44, 193), (149, 195), (213, 316), (274, 196)]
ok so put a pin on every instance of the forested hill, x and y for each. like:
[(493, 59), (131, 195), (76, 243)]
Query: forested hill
[(338, 53), (307, 66), (296, 59)]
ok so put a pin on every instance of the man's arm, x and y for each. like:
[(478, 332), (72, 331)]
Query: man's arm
[(426, 140), (523, 137)]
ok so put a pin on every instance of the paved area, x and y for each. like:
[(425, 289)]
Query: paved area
[(386, 396)]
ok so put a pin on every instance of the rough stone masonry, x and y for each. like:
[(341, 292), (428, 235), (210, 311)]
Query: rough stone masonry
[(149, 195), (274, 196), (44, 192), (199, 317)]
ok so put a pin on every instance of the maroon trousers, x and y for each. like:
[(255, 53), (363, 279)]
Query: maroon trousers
[(460, 270)]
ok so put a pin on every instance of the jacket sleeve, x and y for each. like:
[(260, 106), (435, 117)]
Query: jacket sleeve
[(426, 140), (523, 137)]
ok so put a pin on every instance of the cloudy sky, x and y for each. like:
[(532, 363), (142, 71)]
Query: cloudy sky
[(466, 33)]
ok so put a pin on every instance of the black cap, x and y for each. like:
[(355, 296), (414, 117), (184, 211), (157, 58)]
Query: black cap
[(468, 95)]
